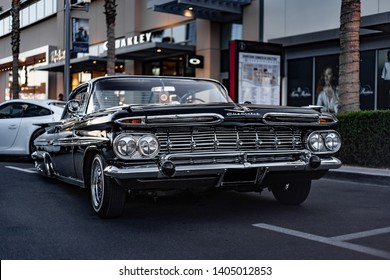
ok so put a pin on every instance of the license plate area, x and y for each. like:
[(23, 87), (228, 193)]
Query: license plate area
[(241, 176)]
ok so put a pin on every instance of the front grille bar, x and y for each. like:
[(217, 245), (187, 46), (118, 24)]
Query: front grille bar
[(222, 139)]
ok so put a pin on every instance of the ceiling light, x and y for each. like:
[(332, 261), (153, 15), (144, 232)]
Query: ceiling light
[(188, 12)]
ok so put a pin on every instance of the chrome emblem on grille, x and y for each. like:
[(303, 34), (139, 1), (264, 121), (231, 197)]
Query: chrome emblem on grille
[(241, 111)]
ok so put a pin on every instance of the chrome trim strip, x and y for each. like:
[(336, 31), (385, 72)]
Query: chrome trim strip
[(153, 171), (240, 154), (174, 120), (186, 116), (302, 119)]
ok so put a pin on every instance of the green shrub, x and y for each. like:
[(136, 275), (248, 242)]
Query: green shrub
[(365, 138)]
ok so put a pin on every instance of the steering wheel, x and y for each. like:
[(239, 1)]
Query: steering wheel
[(189, 98)]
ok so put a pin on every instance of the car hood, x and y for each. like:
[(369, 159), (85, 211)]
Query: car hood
[(218, 113)]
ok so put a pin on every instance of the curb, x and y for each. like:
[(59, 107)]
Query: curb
[(361, 174)]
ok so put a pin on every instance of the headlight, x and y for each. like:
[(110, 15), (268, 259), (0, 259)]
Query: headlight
[(126, 145), (332, 142), (316, 143), (136, 146), (327, 141), (148, 146)]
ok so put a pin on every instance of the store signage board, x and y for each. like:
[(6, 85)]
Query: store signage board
[(195, 61), (80, 35), (131, 41), (255, 72)]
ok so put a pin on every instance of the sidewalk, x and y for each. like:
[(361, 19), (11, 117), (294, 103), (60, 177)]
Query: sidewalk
[(361, 174)]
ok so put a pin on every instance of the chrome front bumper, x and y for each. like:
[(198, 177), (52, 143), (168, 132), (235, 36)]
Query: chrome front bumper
[(191, 168)]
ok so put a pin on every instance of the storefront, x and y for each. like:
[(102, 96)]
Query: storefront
[(33, 84), (162, 52), (310, 58)]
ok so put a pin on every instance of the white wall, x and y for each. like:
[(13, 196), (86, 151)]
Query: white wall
[(283, 18)]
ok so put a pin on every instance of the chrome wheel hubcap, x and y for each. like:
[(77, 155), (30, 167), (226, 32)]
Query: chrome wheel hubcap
[(97, 184)]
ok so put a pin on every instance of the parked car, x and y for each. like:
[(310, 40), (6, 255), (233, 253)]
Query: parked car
[(19, 121), (149, 134)]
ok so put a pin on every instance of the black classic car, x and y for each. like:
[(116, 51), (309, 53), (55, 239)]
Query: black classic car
[(140, 134)]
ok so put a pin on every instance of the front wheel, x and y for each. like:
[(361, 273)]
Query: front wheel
[(31, 146), (107, 197), (293, 193)]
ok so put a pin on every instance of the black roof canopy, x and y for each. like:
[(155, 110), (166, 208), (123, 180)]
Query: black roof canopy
[(213, 10)]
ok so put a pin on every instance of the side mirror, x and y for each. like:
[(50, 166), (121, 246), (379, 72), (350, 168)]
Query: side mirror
[(73, 106)]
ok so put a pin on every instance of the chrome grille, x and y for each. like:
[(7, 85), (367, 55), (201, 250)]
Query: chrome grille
[(224, 139)]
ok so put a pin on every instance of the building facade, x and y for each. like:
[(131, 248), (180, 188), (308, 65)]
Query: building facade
[(192, 38)]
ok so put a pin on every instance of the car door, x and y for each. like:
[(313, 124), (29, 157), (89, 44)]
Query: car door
[(10, 119), (64, 139)]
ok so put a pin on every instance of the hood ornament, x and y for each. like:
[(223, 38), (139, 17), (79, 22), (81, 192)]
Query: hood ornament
[(240, 110)]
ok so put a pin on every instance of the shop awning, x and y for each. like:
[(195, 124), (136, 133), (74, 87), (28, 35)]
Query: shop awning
[(153, 51), (378, 22), (80, 64), (213, 10)]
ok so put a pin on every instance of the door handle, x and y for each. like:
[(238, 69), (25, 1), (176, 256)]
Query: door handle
[(12, 126)]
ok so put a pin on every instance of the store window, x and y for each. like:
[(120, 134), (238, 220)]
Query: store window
[(300, 82), (384, 79), (28, 15), (184, 34), (174, 66), (303, 90), (33, 84), (367, 80)]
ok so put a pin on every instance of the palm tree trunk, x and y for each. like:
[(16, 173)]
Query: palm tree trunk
[(110, 12), (349, 63), (15, 43)]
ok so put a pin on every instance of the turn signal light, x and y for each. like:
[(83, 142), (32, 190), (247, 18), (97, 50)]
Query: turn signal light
[(131, 121), (326, 120)]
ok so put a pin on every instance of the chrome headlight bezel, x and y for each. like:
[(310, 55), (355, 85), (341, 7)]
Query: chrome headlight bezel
[(332, 141), (148, 146), (128, 146), (323, 142)]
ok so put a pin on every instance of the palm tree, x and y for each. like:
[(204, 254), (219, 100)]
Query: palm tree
[(349, 62), (110, 12), (15, 43)]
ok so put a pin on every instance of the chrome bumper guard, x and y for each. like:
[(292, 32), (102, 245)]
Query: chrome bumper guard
[(217, 169)]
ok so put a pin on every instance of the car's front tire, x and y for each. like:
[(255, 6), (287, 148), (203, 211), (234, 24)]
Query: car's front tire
[(107, 197), (292, 193), (31, 146)]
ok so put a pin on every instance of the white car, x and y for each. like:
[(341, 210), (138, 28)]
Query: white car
[(18, 123)]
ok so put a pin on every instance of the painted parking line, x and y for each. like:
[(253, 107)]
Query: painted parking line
[(334, 240), (27, 170), (361, 234)]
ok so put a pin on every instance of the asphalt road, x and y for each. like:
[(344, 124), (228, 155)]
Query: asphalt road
[(45, 219)]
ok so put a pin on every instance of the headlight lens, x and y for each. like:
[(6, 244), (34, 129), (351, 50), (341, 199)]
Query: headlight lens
[(148, 146), (327, 141), (316, 143), (129, 146), (332, 141)]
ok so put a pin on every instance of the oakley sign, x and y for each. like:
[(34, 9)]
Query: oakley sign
[(195, 61)]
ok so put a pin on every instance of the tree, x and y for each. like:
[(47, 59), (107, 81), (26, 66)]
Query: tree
[(15, 43), (110, 12), (349, 62)]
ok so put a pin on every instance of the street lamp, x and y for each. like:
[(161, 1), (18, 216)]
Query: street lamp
[(67, 51), (68, 3)]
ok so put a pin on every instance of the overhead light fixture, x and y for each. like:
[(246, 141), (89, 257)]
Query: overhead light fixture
[(188, 12)]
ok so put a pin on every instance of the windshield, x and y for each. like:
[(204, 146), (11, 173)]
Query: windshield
[(155, 91)]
